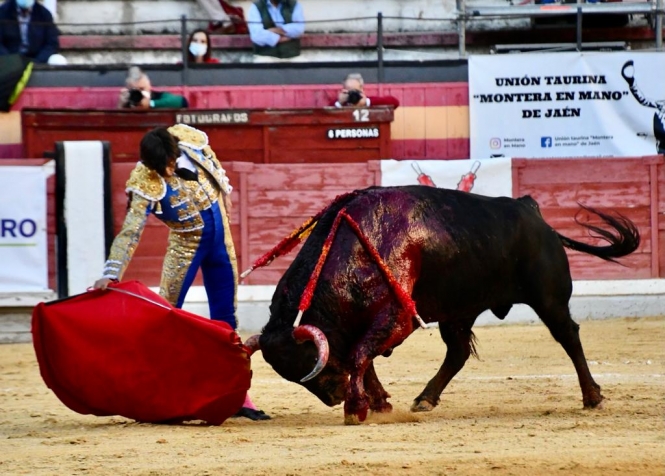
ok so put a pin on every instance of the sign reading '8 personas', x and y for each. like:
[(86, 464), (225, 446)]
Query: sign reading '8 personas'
[(23, 259), (567, 105)]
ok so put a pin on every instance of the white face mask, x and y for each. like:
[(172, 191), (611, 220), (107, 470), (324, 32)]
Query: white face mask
[(26, 4), (197, 49)]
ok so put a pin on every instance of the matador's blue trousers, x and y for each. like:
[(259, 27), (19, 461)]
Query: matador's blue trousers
[(213, 259)]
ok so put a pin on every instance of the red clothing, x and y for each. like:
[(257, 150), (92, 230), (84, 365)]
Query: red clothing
[(210, 60), (383, 101), (375, 101)]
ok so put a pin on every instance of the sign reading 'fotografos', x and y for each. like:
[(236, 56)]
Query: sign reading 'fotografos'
[(567, 105)]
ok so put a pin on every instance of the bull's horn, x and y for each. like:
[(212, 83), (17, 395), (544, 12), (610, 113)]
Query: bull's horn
[(252, 344), (316, 335)]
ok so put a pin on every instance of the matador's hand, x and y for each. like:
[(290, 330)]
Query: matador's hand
[(102, 283)]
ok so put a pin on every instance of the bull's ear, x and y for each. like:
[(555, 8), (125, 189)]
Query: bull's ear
[(253, 344)]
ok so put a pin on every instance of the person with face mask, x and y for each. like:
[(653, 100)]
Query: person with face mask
[(27, 28), (180, 181), (199, 49)]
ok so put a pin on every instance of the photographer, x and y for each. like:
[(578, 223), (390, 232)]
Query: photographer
[(139, 94), (352, 95)]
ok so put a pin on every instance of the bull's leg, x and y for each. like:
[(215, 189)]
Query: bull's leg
[(458, 339), (378, 397), (566, 332), (388, 330)]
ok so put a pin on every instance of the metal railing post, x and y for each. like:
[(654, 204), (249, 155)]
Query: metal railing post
[(379, 46), (461, 27), (183, 50), (579, 28), (659, 24)]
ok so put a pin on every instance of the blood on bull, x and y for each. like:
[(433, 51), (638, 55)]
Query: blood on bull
[(380, 262)]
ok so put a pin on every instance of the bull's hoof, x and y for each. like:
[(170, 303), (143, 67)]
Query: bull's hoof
[(595, 404), (351, 419), (422, 406)]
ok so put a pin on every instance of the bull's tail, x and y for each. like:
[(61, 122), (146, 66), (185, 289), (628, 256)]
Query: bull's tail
[(623, 240)]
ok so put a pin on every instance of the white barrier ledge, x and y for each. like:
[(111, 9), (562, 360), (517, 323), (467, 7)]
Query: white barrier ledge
[(26, 298), (635, 287), (582, 288), (263, 293)]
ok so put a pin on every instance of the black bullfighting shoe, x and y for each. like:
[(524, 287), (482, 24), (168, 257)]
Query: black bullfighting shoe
[(255, 415)]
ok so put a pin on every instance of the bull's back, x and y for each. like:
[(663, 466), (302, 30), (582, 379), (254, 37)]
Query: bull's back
[(476, 252), (458, 252)]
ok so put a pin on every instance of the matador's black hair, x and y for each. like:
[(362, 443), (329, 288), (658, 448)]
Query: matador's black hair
[(158, 149)]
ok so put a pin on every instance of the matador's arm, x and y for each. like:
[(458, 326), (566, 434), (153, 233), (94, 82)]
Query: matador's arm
[(127, 240)]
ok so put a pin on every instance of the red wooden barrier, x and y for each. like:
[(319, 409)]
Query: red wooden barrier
[(261, 136), (270, 200), (631, 186)]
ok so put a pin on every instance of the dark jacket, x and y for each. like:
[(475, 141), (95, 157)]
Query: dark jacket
[(288, 49), (42, 32)]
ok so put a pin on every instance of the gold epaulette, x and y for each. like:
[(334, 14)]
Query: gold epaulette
[(189, 137), (146, 183)]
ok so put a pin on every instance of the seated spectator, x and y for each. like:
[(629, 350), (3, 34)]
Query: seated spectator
[(199, 49), (27, 28), (225, 18), (352, 95), (275, 27), (139, 94)]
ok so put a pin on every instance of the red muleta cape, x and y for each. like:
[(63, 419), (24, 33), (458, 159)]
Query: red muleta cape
[(112, 353)]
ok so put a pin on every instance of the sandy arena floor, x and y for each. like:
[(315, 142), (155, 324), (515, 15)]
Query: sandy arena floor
[(516, 411)]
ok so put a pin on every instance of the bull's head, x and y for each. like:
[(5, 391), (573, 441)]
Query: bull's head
[(301, 355)]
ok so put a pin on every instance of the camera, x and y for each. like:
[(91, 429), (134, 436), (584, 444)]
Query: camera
[(135, 97), (354, 96)]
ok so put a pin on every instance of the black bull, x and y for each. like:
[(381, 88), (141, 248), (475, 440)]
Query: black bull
[(455, 254)]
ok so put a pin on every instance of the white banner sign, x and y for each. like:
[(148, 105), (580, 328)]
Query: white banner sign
[(491, 177), (23, 261), (567, 104)]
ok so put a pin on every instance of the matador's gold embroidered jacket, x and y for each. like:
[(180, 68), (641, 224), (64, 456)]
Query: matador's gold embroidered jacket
[(174, 201)]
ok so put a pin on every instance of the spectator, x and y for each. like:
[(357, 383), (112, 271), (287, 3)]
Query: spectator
[(225, 18), (352, 95), (199, 49), (139, 94), (27, 28), (275, 27)]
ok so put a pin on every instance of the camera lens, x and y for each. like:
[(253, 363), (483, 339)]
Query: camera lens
[(135, 96), (354, 96)]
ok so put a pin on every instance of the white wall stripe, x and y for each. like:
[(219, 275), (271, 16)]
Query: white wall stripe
[(84, 213)]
